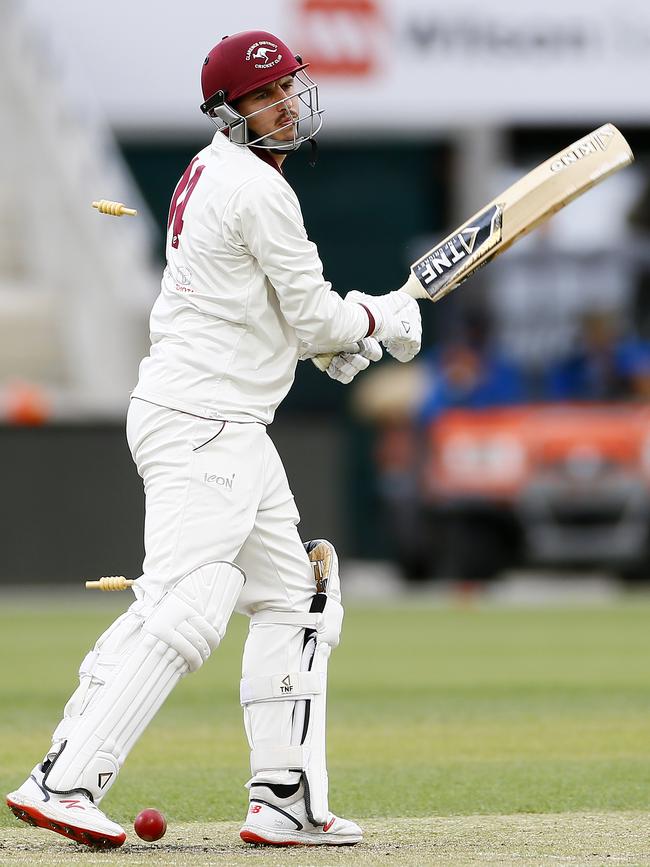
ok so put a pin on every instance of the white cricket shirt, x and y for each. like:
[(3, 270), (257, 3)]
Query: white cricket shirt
[(242, 292)]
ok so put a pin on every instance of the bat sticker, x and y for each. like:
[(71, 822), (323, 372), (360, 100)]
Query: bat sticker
[(446, 263)]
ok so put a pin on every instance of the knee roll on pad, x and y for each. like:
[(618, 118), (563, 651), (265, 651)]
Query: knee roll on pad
[(97, 733), (192, 618), (305, 687)]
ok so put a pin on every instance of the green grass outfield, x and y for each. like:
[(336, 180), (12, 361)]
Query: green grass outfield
[(435, 711)]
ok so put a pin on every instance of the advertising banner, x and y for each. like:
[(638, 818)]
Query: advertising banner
[(382, 65)]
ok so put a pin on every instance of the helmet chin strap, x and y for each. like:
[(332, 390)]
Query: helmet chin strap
[(277, 147), (313, 157), (290, 147)]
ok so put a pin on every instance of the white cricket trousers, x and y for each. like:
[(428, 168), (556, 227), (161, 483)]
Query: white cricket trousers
[(217, 490)]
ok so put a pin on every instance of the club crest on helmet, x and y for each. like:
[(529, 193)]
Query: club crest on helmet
[(264, 52)]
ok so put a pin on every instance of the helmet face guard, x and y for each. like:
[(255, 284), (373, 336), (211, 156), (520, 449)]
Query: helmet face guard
[(305, 122), (245, 62)]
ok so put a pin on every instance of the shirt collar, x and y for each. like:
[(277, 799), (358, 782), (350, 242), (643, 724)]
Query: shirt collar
[(261, 153)]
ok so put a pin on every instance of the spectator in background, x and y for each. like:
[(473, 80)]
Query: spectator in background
[(466, 372), (605, 366), (639, 222), (469, 373)]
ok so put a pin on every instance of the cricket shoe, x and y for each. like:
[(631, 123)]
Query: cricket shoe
[(74, 815), (276, 821)]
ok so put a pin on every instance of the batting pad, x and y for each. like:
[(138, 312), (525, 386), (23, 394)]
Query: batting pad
[(185, 626), (306, 688)]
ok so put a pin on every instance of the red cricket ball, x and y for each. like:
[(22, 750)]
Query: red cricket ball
[(150, 825)]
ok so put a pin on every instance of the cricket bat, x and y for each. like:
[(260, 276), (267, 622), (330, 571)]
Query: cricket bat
[(528, 202)]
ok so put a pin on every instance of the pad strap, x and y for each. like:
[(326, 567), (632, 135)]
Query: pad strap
[(287, 618), (279, 758), (296, 684)]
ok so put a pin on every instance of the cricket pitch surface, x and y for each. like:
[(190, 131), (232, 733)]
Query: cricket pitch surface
[(548, 839)]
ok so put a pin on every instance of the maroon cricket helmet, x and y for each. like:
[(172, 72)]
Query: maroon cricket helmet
[(243, 62)]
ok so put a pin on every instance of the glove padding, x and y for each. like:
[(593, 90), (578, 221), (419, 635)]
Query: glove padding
[(398, 324), (345, 366)]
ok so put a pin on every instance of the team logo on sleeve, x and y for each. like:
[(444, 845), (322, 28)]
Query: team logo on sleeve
[(265, 53)]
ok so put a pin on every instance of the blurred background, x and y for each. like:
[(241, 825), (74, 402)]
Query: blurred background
[(518, 444)]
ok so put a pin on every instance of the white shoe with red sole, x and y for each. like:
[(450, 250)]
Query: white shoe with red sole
[(274, 821), (74, 815)]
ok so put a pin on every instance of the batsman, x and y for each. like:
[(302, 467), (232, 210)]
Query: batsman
[(243, 299)]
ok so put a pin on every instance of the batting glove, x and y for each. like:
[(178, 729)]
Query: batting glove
[(345, 366), (398, 324)]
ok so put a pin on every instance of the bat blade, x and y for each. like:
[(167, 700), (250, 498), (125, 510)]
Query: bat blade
[(528, 202), (448, 264), (518, 210)]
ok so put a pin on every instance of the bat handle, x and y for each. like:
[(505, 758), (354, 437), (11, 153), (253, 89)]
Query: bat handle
[(412, 287), (415, 289), (322, 362)]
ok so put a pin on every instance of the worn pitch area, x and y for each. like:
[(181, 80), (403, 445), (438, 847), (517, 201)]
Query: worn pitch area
[(579, 838)]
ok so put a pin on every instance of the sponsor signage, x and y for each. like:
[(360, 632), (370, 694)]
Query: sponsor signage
[(382, 65)]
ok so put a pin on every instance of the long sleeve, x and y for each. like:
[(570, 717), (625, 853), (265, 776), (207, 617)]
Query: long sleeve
[(266, 218)]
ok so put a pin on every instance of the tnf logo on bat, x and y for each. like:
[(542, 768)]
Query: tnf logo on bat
[(450, 257), (452, 251), (286, 685), (596, 141)]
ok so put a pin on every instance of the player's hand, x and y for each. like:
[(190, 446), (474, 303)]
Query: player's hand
[(398, 324), (348, 361), (345, 366)]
